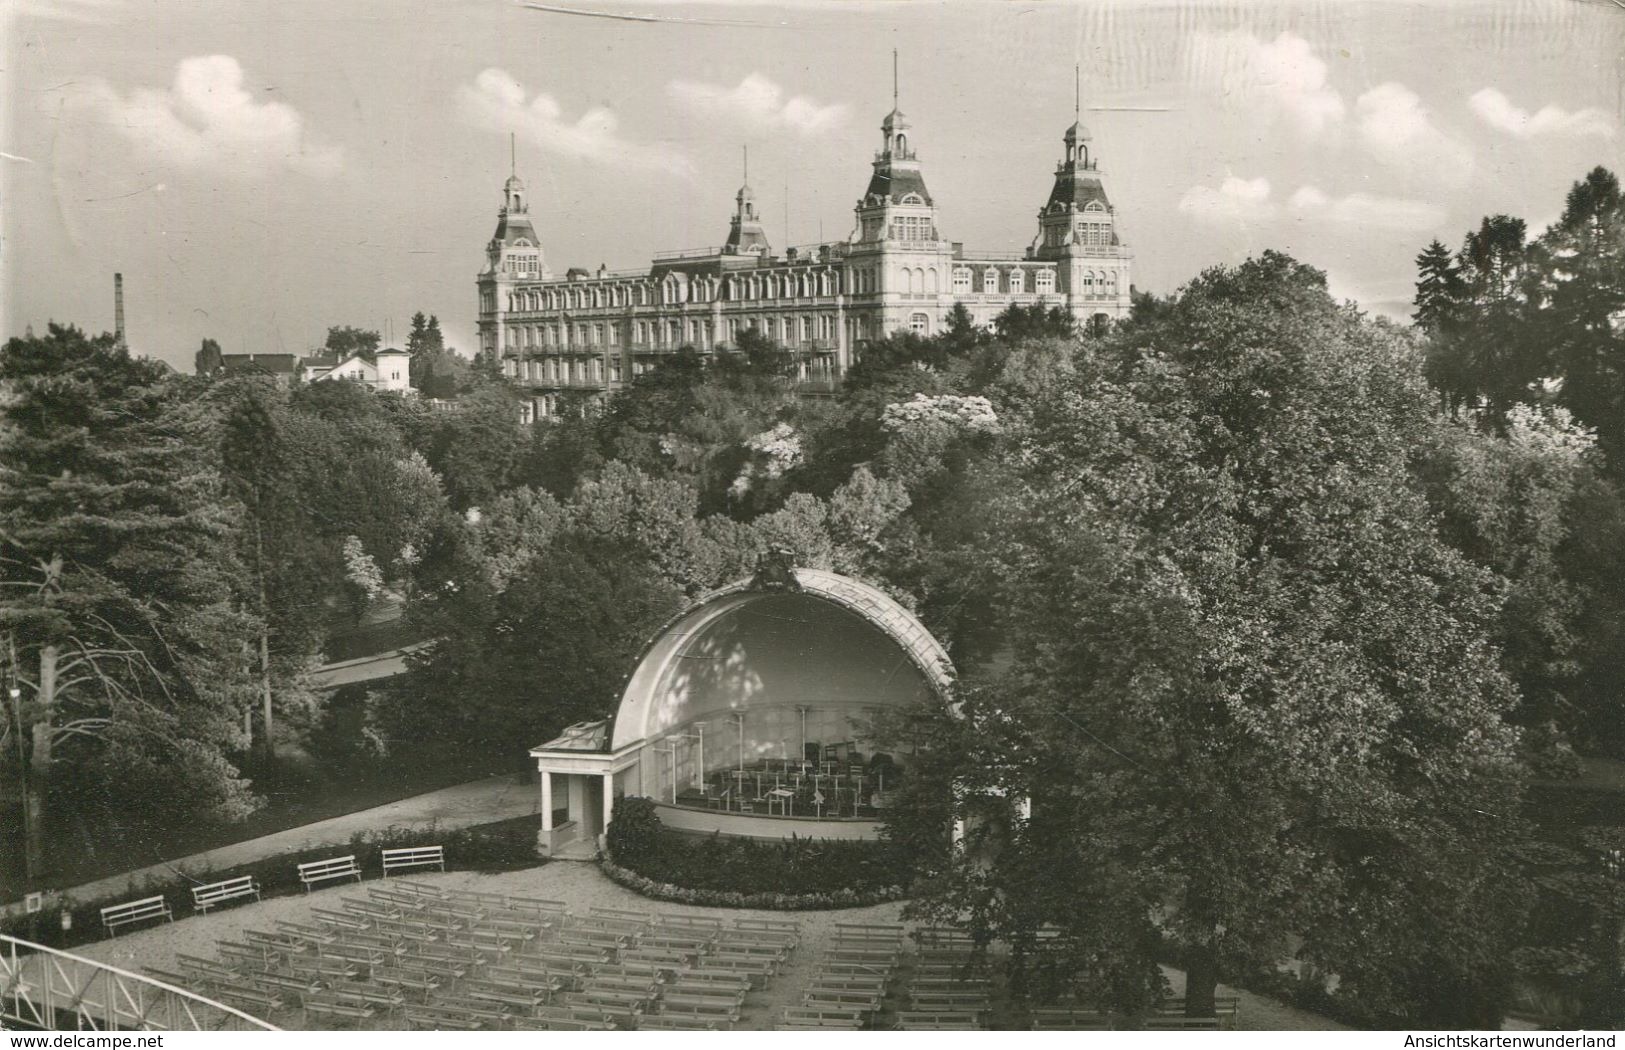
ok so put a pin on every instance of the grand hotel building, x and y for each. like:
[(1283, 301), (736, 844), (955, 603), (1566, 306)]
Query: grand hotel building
[(593, 331)]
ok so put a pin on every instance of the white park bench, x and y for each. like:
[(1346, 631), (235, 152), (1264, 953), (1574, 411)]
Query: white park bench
[(206, 897), (414, 857), (116, 915), (332, 868)]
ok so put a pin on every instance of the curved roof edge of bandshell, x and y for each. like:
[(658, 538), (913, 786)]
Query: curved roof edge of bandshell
[(862, 599)]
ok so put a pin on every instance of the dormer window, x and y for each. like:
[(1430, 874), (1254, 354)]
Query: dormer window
[(913, 198)]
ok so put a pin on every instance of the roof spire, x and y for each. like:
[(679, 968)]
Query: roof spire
[(894, 78), (1077, 92), (513, 155), (745, 150)]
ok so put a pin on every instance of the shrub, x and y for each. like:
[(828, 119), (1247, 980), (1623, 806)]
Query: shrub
[(840, 874), (634, 833), (500, 846)]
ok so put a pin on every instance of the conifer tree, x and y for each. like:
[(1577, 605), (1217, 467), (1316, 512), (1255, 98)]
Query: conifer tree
[(118, 580)]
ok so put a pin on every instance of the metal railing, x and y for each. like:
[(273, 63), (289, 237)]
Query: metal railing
[(48, 989)]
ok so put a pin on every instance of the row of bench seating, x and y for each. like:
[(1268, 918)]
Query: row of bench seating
[(212, 894), (434, 958)]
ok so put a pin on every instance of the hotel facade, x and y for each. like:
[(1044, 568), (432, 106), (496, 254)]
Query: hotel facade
[(593, 331)]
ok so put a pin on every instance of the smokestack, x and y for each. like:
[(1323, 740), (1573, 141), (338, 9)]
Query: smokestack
[(118, 308)]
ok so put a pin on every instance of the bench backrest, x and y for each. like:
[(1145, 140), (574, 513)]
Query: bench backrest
[(414, 855), (316, 869), (132, 910), (240, 886)]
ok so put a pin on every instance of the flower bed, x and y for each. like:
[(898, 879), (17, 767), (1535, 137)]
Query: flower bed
[(665, 891), (794, 874)]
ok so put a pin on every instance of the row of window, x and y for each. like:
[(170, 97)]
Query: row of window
[(866, 280), (1091, 234), (804, 284), (788, 329)]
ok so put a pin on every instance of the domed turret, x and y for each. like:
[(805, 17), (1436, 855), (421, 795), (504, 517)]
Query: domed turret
[(745, 233)]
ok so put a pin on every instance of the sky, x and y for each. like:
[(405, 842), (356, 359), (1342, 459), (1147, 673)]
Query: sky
[(260, 171)]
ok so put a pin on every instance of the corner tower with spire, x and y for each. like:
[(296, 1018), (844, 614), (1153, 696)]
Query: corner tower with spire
[(513, 254), (898, 263), (746, 236), (1077, 227)]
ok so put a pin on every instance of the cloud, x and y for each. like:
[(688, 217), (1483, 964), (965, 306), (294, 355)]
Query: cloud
[(1283, 74), (498, 102), (1498, 111), (1236, 200), (91, 12), (208, 119), (1365, 209), (758, 101), (1398, 131)]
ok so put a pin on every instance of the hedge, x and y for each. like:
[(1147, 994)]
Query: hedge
[(665, 891), (504, 845), (795, 873)]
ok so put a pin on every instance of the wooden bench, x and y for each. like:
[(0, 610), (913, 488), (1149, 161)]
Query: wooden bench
[(315, 871), (921, 1021), (865, 932), (1177, 1023), (677, 1023), (776, 925), (821, 1017), (208, 969), (866, 1002), (116, 915), (621, 913), (930, 985), (700, 1006), (872, 956), (413, 857), (696, 922), (726, 979), (1224, 1007), (839, 983), (757, 969), (958, 1002), (410, 980), (206, 897), (522, 998), (343, 920), (314, 934), (436, 1018), (248, 998)]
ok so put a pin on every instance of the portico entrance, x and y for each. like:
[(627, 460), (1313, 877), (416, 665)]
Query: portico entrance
[(578, 789)]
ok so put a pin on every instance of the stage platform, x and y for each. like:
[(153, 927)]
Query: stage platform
[(760, 826)]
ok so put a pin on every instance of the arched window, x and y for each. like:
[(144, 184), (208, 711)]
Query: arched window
[(990, 280), (962, 279), (919, 323), (1089, 283), (1044, 282), (902, 143), (931, 280), (1018, 281)]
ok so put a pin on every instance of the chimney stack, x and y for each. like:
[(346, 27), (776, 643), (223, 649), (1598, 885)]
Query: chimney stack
[(118, 309)]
